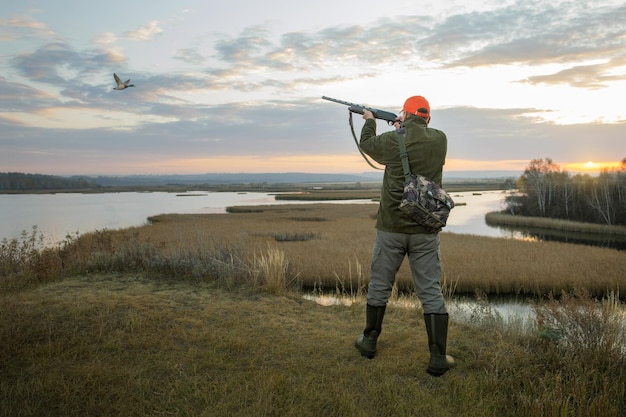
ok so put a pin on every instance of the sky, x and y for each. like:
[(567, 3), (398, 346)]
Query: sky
[(235, 86)]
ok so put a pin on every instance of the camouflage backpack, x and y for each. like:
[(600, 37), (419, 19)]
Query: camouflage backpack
[(423, 200)]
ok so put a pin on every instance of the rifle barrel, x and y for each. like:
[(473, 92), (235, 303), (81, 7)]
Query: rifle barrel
[(347, 103)]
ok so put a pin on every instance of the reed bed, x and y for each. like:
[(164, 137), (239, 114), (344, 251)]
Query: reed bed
[(331, 246), (499, 218), (323, 195), (326, 247)]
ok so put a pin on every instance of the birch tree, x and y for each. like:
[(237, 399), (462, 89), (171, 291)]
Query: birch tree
[(601, 197), (538, 184)]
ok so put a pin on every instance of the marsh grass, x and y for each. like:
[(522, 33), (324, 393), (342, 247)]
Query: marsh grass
[(325, 252), (324, 195), (203, 315), (323, 244), (272, 270), (500, 218)]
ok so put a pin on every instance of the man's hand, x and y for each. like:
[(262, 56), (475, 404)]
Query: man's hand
[(399, 120), (368, 114)]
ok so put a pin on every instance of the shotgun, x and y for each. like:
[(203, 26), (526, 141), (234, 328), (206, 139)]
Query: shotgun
[(389, 117)]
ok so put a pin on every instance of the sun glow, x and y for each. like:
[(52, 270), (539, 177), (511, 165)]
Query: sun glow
[(590, 166)]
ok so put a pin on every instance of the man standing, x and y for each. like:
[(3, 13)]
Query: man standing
[(398, 236)]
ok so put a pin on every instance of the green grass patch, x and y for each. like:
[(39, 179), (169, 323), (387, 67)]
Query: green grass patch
[(139, 345), (295, 237), (244, 209)]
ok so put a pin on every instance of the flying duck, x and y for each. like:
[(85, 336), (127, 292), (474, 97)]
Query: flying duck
[(121, 85)]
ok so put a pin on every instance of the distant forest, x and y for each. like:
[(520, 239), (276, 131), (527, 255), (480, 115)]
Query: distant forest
[(20, 182), (15, 181), (547, 191)]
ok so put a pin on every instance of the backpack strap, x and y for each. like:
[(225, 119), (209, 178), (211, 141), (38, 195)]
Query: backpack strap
[(404, 155)]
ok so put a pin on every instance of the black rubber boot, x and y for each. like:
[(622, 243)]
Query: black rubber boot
[(437, 329), (366, 343)]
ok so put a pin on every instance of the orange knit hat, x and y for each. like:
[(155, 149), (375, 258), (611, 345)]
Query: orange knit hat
[(417, 105)]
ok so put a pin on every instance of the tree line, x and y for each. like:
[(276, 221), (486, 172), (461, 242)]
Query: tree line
[(16, 181), (544, 190)]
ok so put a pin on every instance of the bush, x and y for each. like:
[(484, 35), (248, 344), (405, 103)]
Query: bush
[(28, 260), (580, 324)]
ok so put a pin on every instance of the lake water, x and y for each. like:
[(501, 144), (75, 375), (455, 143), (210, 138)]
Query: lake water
[(57, 215)]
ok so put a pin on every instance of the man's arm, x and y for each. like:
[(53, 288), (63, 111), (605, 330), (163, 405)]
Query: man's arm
[(369, 128), (369, 142)]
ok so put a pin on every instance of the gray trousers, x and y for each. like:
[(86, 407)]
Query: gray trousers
[(424, 259)]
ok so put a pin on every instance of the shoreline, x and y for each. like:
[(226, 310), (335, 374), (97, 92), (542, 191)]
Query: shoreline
[(313, 187), (550, 224)]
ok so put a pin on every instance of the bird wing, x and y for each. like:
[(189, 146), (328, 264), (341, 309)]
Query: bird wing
[(117, 79)]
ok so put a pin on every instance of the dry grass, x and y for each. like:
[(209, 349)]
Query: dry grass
[(272, 269), (321, 246), (202, 315), (322, 243), (508, 266), (136, 345), (343, 236), (323, 195), (499, 218)]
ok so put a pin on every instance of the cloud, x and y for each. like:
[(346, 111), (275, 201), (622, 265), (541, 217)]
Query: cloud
[(172, 114), (106, 38), (278, 129), (46, 63), (244, 47), (564, 33), (254, 50), (254, 60), (42, 64), (21, 97), (145, 33), (513, 134), (528, 33), (190, 56), (584, 76), (18, 27)]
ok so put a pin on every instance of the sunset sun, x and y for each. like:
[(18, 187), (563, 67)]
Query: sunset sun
[(590, 166)]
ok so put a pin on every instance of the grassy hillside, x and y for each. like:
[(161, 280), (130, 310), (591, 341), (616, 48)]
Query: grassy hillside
[(135, 345), (205, 315)]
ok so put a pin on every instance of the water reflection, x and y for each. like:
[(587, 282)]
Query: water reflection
[(468, 216), (537, 234), (462, 309), (508, 311)]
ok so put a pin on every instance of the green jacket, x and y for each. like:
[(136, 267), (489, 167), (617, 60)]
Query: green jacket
[(427, 149)]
